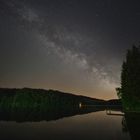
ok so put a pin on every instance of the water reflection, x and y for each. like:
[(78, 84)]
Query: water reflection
[(49, 115), (96, 123), (131, 125)]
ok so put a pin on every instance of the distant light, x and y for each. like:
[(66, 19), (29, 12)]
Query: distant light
[(80, 105)]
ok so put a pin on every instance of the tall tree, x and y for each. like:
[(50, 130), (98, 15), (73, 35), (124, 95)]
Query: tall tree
[(130, 75)]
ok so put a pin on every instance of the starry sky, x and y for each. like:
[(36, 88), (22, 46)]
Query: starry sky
[(75, 46)]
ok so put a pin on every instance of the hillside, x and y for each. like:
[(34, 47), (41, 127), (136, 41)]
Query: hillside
[(50, 97), (44, 100)]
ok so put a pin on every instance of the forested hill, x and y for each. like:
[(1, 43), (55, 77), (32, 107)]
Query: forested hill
[(46, 97), (44, 100)]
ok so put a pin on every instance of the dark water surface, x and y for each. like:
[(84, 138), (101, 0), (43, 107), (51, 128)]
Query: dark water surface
[(91, 126)]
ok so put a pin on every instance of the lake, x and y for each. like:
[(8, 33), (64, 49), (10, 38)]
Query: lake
[(95, 125)]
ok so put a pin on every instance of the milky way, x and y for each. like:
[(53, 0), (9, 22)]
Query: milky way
[(73, 46)]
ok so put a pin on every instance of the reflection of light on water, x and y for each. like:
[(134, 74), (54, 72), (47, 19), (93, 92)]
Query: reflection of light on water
[(114, 112), (80, 105)]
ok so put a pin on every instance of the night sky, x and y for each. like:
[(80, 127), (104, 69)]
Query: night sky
[(75, 46)]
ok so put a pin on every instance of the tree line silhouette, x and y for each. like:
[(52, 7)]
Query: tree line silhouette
[(41, 100), (130, 80)]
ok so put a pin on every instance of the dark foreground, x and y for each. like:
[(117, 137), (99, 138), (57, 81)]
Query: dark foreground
[(86, 123), (38, 114)]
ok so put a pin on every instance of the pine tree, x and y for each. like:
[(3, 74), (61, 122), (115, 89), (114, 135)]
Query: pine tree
[(130, 75)]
